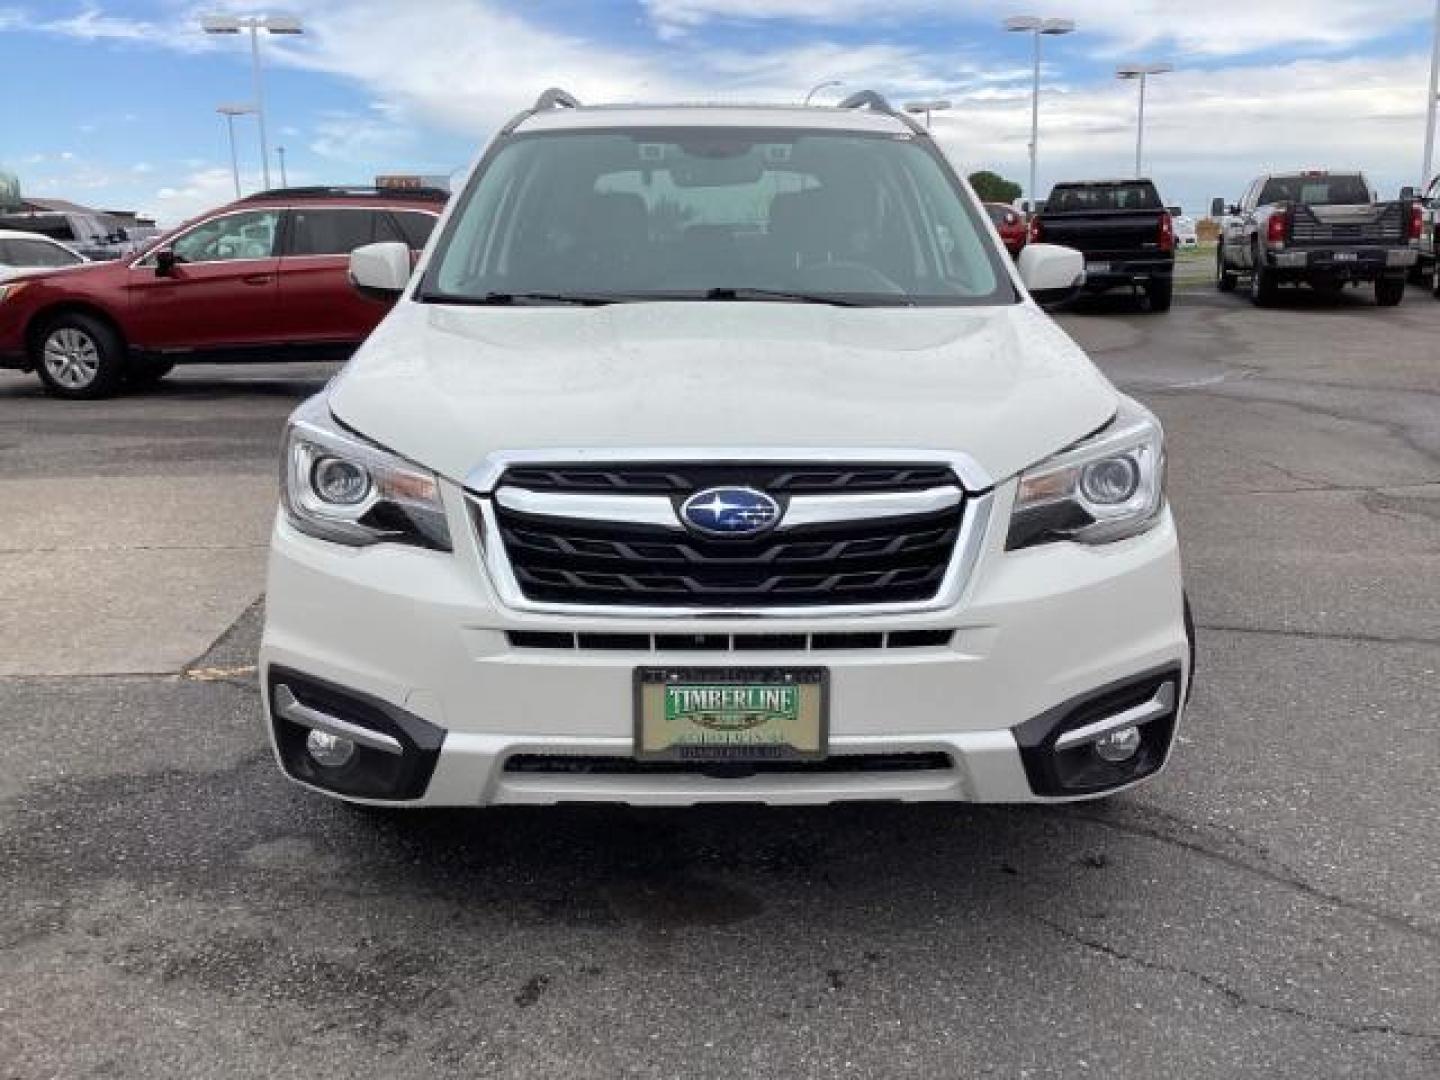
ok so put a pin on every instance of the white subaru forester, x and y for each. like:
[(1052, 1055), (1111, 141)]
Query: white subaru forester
[(720, 454)]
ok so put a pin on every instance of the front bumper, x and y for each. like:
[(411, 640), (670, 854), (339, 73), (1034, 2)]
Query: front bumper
[(1035, 633)]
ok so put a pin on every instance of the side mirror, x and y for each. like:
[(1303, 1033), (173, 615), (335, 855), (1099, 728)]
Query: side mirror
[(165, 263), (1407, 193), (1052, 274), (1217, 208), (380, 271)]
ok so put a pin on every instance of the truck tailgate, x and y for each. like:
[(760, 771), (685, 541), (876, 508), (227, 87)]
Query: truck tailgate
[(1104, 234), (1383, 223)]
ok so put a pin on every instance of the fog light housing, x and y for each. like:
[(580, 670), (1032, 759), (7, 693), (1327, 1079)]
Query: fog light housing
[(348, 742), (329, 751), (1119, 745)]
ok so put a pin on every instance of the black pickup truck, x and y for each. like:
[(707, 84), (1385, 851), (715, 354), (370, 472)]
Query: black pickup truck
[(1121, 227)]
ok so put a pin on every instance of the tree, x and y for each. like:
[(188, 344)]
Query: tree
[(991, 187)]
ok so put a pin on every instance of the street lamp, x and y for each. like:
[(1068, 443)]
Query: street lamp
[(1141, 72), (280, 153), (273, 24), (230, 112), (822, 86), (1430, 103), (1036, 27), (927, 107)]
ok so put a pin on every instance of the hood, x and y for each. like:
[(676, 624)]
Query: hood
[(447, 386)]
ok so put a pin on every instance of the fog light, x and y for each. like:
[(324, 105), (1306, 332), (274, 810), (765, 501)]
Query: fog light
[(333, 751), (1116, 747)]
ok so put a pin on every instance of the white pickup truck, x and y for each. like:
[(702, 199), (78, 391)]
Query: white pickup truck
[(1316, 228)]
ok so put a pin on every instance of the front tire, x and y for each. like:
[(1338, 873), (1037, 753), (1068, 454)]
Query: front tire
[(1389, 291), (80, 357), (1225, 280)]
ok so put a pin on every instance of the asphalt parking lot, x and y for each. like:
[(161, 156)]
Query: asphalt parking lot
[(1270, 906)]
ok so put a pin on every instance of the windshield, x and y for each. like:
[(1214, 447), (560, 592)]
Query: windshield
[(719, 214), (1316, 190), (1103, 197)]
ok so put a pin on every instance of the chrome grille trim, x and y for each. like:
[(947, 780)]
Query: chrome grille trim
[(659, 511), (483, 479)]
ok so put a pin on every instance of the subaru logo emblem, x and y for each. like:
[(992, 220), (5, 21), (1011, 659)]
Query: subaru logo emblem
[(729, 511)]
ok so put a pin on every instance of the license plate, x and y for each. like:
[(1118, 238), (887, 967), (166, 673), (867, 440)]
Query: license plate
[(1347, 256), (1097, 268), (731, 714)]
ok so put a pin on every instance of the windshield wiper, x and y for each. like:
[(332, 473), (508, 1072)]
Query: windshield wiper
[(506, 299), (743, 292)]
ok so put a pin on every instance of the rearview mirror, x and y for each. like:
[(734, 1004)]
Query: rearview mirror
[(380, 271), (1217, 207), (165, 263), (1052, 274)]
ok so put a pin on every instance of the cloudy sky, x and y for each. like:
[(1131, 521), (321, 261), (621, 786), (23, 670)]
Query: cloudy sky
[(111, 102)]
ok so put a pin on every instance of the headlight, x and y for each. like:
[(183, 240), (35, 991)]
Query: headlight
[(1106, 487), (7, 291), (339, 487)]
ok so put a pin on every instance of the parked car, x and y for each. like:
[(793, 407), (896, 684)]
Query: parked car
[(721, 454), (1183, 226), (92, 235), (26, 252), (1317, 228), (1010, 224), (1428, 242), (1124, 230), (261, 277)]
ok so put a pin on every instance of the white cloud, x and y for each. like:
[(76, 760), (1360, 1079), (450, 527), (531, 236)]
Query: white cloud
[(92, 24), (1216, 28)]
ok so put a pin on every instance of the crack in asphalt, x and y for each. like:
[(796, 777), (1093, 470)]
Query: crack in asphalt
[(1228, 992), (1322, 635), (1284, 877)]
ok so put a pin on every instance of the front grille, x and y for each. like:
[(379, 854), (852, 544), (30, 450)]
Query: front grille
[(824, 642), (681, 478), (602, 765), (881, 561)]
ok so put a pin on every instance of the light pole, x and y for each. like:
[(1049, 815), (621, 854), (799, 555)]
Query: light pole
[(1430, 103), (1036, 27), (927, 107), (284, 180), (821, 86), (273, 24), (230, 112), (1141, 72)]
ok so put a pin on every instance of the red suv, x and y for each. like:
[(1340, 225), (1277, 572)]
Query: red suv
[(1010, 224), (262, 278)]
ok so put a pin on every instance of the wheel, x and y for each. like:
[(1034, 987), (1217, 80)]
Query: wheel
[(1160, 292), (1263, 288), (1389, 291), (79, 356), (1225, 280), (142, 375)]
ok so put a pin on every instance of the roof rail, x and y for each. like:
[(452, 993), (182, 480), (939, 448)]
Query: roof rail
[(555, 98), (323, 191)]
